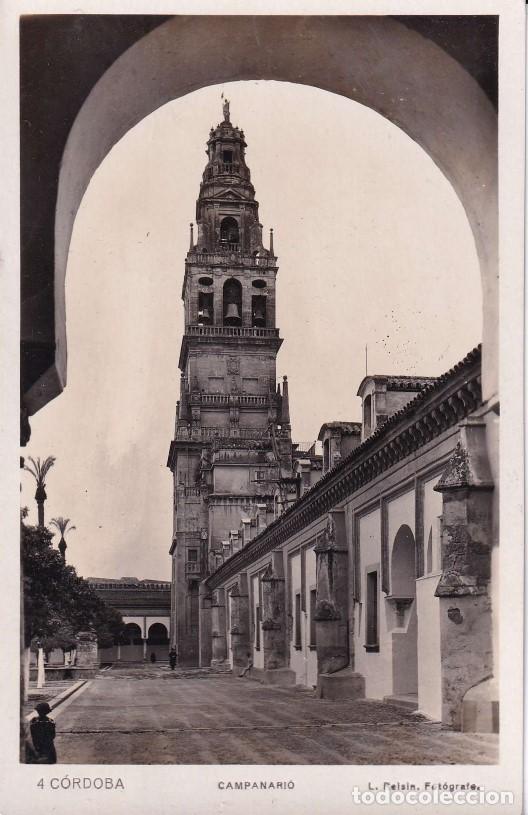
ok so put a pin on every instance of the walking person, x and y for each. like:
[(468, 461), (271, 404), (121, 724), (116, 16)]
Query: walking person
[(172, 658), (42, 731)]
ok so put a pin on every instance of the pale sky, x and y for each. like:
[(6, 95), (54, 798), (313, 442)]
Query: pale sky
[(374, 248)]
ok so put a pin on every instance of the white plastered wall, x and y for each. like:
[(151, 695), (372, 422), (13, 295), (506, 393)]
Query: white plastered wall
[(376, 667), (297, 661), (428, 606), (258, 656), (311, 659)]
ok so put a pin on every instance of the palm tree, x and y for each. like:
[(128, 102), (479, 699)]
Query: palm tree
[(39, 470), (62, 525)]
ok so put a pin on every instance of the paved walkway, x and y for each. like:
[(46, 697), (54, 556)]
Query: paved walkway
[(52, 689), (153, 716)]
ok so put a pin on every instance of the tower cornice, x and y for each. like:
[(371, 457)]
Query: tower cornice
[(243, 338)]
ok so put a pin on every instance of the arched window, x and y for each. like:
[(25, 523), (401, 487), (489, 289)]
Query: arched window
[(403, 564), (258, 311), (429, 553), (367, 416), (229, 236), (326, 455), (232, 308)]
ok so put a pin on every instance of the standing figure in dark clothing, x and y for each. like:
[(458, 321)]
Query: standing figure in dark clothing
[(172, 658), (43, 735)]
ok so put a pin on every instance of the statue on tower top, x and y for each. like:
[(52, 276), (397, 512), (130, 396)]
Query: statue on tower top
[(226, 110)]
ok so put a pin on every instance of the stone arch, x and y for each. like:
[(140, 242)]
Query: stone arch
[(229, 232), (132, 634), (377, 61), (157, 634), (444, 110)]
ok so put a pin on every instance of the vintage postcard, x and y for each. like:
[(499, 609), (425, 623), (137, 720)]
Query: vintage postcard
[(270, 319)]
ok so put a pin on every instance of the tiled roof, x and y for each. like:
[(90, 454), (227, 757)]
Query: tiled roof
[(128, 583), (398, 383)]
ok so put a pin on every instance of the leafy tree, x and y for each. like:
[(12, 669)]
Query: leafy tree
[(39, 471), (57, 602)]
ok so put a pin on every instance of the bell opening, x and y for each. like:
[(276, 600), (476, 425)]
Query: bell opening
[(229, 234), (258, 311), (232, 302), (205, 308)]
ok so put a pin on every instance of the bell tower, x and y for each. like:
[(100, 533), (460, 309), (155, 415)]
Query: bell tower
[(232, 453)]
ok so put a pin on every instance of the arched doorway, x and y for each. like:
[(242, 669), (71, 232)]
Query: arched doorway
[(131, 646), (405, 622), (158, 642)]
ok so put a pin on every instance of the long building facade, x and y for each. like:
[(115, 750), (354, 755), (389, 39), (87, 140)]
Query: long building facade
[(376, 582)]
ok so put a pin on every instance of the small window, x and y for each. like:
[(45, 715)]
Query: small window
[(192, 555), (227, 156), (205, 281), (326, 455), (258, 620), (429, 554), (298, 641), (313, 627), (259, 284), (260, 475), (372, 643)]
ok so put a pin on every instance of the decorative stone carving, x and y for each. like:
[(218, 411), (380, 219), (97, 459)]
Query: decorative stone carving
[(233, 365), (466, 486)]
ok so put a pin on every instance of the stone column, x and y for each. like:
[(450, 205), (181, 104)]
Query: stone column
[(336, 678), (144, 648), (465, 606), (218, 618), (331, 610), (87, 651), (205, 626), (274, 631), (239, 623)]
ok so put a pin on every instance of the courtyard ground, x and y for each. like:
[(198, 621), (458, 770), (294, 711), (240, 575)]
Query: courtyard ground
[(53, 689), (150, 715)]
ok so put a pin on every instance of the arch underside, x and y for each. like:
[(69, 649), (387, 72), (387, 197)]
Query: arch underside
[(376, 61)]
